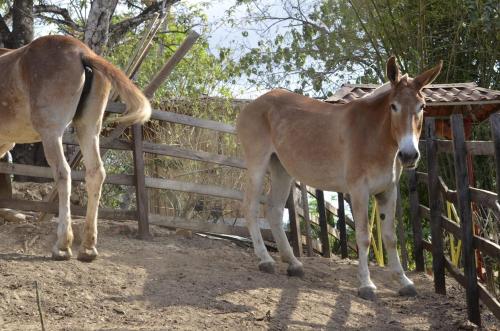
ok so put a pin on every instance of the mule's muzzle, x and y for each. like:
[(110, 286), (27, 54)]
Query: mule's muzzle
[(409, 159)]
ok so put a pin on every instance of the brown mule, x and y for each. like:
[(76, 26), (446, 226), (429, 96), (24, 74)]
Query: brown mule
[(41, 88), (358, 148)]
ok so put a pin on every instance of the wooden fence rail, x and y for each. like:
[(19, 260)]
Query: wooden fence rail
[(462, 197)]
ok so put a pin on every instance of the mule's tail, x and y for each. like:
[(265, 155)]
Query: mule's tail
[(138, 108)]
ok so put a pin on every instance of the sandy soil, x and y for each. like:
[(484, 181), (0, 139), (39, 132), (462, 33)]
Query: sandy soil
[(178, 283)]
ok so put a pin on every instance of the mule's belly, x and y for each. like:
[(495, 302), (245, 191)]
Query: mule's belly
[(16, 125), (324, 174)]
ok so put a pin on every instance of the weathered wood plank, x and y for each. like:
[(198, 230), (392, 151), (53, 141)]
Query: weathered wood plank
[(323, 224), (175, 185), (465, 214), (495, 134), (295, 236), (472, 147), (307, 218), (487, 247), (435, 206), (202, 226), (451, 227), (401, 231), (416, 222), (53, 208), (166, 116), (489, 300), (183, 153), (169, 66), (141, 195), (341, 226), (45, 172)]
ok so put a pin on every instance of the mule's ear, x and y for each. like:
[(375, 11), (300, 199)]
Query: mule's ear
[(392, 70), (428, 76)]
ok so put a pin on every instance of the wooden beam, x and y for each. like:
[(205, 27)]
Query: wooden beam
[(400, 228), (495, 134), (307, 218), (171, 117), (323, 224), (416, 222), (141, 195), (174, 151), (435, 205), (5, 183), (203, 226), (295, 236), (169, 66), (45, 172), (465, 214), (341, 226), (53, 208)]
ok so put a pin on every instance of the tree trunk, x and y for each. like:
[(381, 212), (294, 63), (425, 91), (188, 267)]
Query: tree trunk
[(22, 23), (98, 21)]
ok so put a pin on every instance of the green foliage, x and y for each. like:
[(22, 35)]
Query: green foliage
[(311, 48)]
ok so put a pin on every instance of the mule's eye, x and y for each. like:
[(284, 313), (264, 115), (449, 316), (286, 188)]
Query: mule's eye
[(394, 108)]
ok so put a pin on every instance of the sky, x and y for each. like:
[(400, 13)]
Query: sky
[(223, 35)]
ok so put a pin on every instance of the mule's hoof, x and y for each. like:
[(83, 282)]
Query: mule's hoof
[(87, 255), (61, 255), (267, 267), (295, 271), (367, 293), (408, 291)]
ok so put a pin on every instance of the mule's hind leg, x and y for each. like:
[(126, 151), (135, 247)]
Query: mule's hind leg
[(5, 148), (52, 145), (387, 208), (88, 136), (251, 203), (88, 126), (280, 189)]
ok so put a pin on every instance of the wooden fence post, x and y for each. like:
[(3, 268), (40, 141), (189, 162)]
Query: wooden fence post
[(295, 235), (307, 219), (465, 213), (400, 228), (323, 224), (435, 206), (495, 134), (341, 225), (140, 183), (5, 182), (416, 221)]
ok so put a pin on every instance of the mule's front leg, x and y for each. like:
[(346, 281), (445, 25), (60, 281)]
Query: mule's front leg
[(55, 157), (359, 202), (387, 209)]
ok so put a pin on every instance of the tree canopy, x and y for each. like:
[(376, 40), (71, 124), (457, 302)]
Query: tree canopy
[(312, 46)]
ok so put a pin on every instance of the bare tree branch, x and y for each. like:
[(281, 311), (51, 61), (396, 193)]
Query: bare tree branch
[(119, 29), (39, 10)]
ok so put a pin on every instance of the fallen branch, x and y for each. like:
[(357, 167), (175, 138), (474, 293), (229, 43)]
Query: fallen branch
[(39, 304)]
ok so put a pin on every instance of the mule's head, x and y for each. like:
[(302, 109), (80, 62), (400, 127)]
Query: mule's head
[(406, 106)]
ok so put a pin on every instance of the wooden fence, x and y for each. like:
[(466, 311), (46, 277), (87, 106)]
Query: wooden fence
[(141, 182), (464, 197)]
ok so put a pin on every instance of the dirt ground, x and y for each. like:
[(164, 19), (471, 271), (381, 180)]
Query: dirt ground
[(178, 283)]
